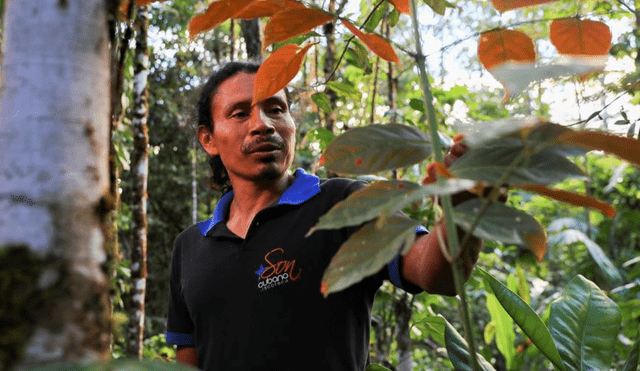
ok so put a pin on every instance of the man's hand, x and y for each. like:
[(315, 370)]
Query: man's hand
[(425, 264), (187, 355)]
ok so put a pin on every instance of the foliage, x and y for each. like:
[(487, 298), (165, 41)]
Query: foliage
[(535, 156)]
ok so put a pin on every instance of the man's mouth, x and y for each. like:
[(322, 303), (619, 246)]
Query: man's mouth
[(264, 147)]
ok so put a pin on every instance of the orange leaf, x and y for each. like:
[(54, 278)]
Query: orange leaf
[(377, 44), (625, 148), (535, 242), (293, 22), (276, 71), (501, 45), (575, 36), (402, 6), (216, 13), (267, 8), (570, 197), (504, 5)]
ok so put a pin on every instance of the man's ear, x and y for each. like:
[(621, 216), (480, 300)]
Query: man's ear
[(205, 137)]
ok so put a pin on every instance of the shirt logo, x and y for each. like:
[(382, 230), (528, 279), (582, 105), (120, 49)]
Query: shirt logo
[(277, 272)]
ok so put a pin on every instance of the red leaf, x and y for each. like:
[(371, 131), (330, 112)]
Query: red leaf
[(571, 197), (216, 13), (293, 22), (575, 36), (501, 45), (433, 170), (504, 5), (402, 6), (625, 148), (267, 8), (376, 44), (276, 71)]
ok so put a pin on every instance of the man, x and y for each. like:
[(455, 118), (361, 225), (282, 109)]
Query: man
[(245, 285)]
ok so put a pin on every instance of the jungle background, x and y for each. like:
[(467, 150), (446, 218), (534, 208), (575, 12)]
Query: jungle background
[(366, 90)]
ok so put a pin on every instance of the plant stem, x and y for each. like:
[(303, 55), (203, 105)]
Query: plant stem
[(452, 235)]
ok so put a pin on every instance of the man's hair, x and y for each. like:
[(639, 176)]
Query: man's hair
[(219, 180)]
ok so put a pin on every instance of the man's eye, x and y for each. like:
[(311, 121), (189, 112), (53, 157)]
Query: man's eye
[(239, 114), (276, 110)]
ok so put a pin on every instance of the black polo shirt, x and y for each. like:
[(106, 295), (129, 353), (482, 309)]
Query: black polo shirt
[(255, 303)]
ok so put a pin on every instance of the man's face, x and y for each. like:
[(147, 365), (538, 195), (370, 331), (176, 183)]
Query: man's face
[(255, 143)]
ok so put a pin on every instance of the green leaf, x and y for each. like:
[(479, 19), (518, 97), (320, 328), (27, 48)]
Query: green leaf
[(320, 135), (118, 365), (505, 335), (374, 148), (435, 326), (383, 198), (632, 361), (569, 236), (345, 89), (367, 251), (489, 332), (526, 318), (376, 367), (365, 204), (375, 18), (358, 55), (584, 324), (298, 40), (439, 6), (504, 224), (458, 351), (489, 161), (322, 101), (394, 17), (417, 104), (522, 285)]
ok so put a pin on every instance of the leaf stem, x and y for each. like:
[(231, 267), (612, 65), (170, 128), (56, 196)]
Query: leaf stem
[(452, 234)]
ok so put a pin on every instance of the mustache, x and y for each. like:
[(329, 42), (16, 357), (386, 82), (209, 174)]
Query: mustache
[(274, 140)]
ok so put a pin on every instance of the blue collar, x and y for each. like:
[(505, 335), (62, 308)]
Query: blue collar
[(303, 188)]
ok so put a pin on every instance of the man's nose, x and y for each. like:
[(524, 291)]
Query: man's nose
[(260, 123)]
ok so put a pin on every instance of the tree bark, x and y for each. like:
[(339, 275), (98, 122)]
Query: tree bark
[(250, 30), (140, 171), (329, 62), (54, 178), (403, 319)]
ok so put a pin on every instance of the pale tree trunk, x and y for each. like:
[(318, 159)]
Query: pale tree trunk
[(140, 171), (250, 30), (403, 339), (329, 63), (194, 181), (232, 37), (54, 178), (391, 81)]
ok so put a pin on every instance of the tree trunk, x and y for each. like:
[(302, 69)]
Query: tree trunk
[(194, 181), (391, 82), (140, 171), (403, 319), (232, 37), (54, 179), (329, 62), (250, 30)]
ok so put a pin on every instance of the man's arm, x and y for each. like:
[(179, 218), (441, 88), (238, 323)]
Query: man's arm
[(187, 355), (425, 265)]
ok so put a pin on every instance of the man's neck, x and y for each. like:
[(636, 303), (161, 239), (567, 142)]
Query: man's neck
[(249, 198)]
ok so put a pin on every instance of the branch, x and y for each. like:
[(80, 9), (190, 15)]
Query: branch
[(349, 41)]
